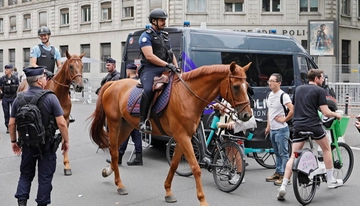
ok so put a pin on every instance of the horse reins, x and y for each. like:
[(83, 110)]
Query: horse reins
[(68, 73)]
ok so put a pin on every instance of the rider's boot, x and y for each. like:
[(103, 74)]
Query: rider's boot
[(137, 160), (144, 108), (22, 202)]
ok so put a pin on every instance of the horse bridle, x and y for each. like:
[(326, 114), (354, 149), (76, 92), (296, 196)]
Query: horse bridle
[(69, 75)]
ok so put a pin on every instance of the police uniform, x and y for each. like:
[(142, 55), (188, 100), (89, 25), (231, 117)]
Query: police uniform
[(50, 108), (46, 56), (9, 86), (113, 76)]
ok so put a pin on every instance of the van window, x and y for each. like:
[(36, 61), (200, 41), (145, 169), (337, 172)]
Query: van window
[(304, 68), (263, 65)]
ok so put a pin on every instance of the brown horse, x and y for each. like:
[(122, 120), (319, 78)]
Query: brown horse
[(180, 119), (69, 74)]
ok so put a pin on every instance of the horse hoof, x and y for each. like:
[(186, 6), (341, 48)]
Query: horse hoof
[(122, 191), (104, 174), (67, 172), (170, 199)]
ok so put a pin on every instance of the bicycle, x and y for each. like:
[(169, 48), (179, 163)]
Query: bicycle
[(221, 156), (309, 170)]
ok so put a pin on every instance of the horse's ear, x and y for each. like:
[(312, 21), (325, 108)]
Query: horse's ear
[(82, 55), (232, 67), (246, 67), (68, 56)]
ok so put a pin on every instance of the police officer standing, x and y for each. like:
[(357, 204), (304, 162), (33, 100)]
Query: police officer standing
[(157, 56), (9, 84), (46, 162), (113, 74), (44, 54)]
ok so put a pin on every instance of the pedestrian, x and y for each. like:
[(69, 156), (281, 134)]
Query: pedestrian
[(157, 56), (9, 84), (44, 54), (15, 72), (277, 127), (308, 99), (112, 75), (51, 111), (135, 134)]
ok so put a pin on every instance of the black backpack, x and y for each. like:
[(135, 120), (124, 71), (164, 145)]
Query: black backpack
[(28, 120)]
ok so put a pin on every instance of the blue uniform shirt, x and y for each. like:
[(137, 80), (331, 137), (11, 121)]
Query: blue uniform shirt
[(35, 52)]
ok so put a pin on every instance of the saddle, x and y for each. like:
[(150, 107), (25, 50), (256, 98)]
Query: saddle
[(158, 82)]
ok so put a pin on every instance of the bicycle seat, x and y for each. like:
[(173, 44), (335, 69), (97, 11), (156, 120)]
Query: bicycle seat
[(306, 134)]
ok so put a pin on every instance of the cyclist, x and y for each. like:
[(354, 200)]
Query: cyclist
[(310, 98)]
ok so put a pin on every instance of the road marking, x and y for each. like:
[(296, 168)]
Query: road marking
[(355, 148)]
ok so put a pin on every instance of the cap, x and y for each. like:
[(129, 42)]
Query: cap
[(111, 60), (34, 71), (131, 66), (9, 66)]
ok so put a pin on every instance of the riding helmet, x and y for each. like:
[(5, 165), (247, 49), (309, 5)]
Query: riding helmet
[(157, 14), (44, 30)]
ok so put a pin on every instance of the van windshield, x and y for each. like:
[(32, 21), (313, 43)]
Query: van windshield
[(263, 65)]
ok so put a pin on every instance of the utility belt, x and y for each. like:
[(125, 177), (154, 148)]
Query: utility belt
[(55, 142), (10, 95)]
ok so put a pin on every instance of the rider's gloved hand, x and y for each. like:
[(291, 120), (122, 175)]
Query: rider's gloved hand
[(172, 67), (48, 74)]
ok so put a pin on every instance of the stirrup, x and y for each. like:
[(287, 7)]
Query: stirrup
[(145, 127)]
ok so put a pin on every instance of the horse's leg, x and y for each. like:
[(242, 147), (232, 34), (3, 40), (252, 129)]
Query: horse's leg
[(169, 197), (66, 162), (185, 144)]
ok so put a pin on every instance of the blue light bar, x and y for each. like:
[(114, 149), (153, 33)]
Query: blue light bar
[(273, 31), (148, 26), (186, 23)]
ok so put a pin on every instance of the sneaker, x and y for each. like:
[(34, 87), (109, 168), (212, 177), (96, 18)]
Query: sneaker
[(281, 194), (334, 183), (279, 181), (234, 179), (273, 177)]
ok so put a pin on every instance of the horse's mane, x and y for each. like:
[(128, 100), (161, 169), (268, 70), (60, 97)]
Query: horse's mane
[(206, 70)]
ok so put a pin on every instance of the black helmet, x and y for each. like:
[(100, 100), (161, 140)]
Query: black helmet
[(44, 30), (157, 14)]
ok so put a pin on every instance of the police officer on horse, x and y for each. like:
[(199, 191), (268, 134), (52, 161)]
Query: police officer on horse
[(157, 57)]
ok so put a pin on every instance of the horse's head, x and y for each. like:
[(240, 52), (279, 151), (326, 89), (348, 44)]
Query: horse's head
[(234, 90), (74, 67)]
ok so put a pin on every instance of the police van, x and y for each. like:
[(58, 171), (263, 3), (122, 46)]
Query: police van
[(269, 53)]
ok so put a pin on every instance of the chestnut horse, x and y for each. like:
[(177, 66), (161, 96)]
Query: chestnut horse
[(69, 74), (179, 120)]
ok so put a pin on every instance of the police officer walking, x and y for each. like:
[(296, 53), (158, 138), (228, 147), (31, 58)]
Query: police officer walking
[(44, 54), (51, 111), (9, 84), (113, 74), (157, 56)]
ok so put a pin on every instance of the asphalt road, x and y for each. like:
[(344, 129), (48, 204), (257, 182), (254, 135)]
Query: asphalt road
[(87, 187)]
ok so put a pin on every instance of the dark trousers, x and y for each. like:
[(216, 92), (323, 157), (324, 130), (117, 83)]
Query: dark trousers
[(46, 169), (147, 79), (6, 103), (136, 138)]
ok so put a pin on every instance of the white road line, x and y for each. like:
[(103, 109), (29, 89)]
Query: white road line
[(355, 148)]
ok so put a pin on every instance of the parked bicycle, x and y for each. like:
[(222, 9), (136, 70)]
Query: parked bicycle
[(221, 156), (308, 168)]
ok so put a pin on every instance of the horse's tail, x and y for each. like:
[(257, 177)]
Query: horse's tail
[(97, 131)]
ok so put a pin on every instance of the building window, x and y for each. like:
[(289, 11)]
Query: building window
[(1, 25), (86, 13), (27, 21), (128, 12), (271, 5), (106, 11), (345, 56), (304, 44), (43, 19), (64, 16), (26, 52), (12, 23), (345, 7), (86, 48), (359, 52), (196, 5), (1, 2), (234, 5), (25, 1), (12, 56), (63, 49), (12, 2), (105, 53), (1, 60), (309, 5)]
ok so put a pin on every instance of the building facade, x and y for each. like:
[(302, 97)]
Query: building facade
[(100, 27)]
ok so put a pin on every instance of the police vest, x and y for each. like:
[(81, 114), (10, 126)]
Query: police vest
[(47, 58), (160, 46), (9, 86)]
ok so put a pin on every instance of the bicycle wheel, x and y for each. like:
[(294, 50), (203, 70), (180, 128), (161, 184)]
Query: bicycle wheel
[(304, 188), (343, 171), (265, 159), (228, 167), (183, 167), (209, 120)]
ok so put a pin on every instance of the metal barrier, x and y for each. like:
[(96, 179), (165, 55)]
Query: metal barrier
[(347, 93)]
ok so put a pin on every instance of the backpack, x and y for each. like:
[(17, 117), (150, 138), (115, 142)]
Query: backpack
[(28, 120)]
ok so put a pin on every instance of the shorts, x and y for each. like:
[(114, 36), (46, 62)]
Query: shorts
[(318, 130)]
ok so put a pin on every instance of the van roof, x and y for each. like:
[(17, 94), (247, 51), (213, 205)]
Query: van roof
[(241, 40)]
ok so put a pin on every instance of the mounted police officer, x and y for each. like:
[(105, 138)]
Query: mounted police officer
[(113, 74), (157, 56), (51, 111), (9, 84), (44, 54)]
